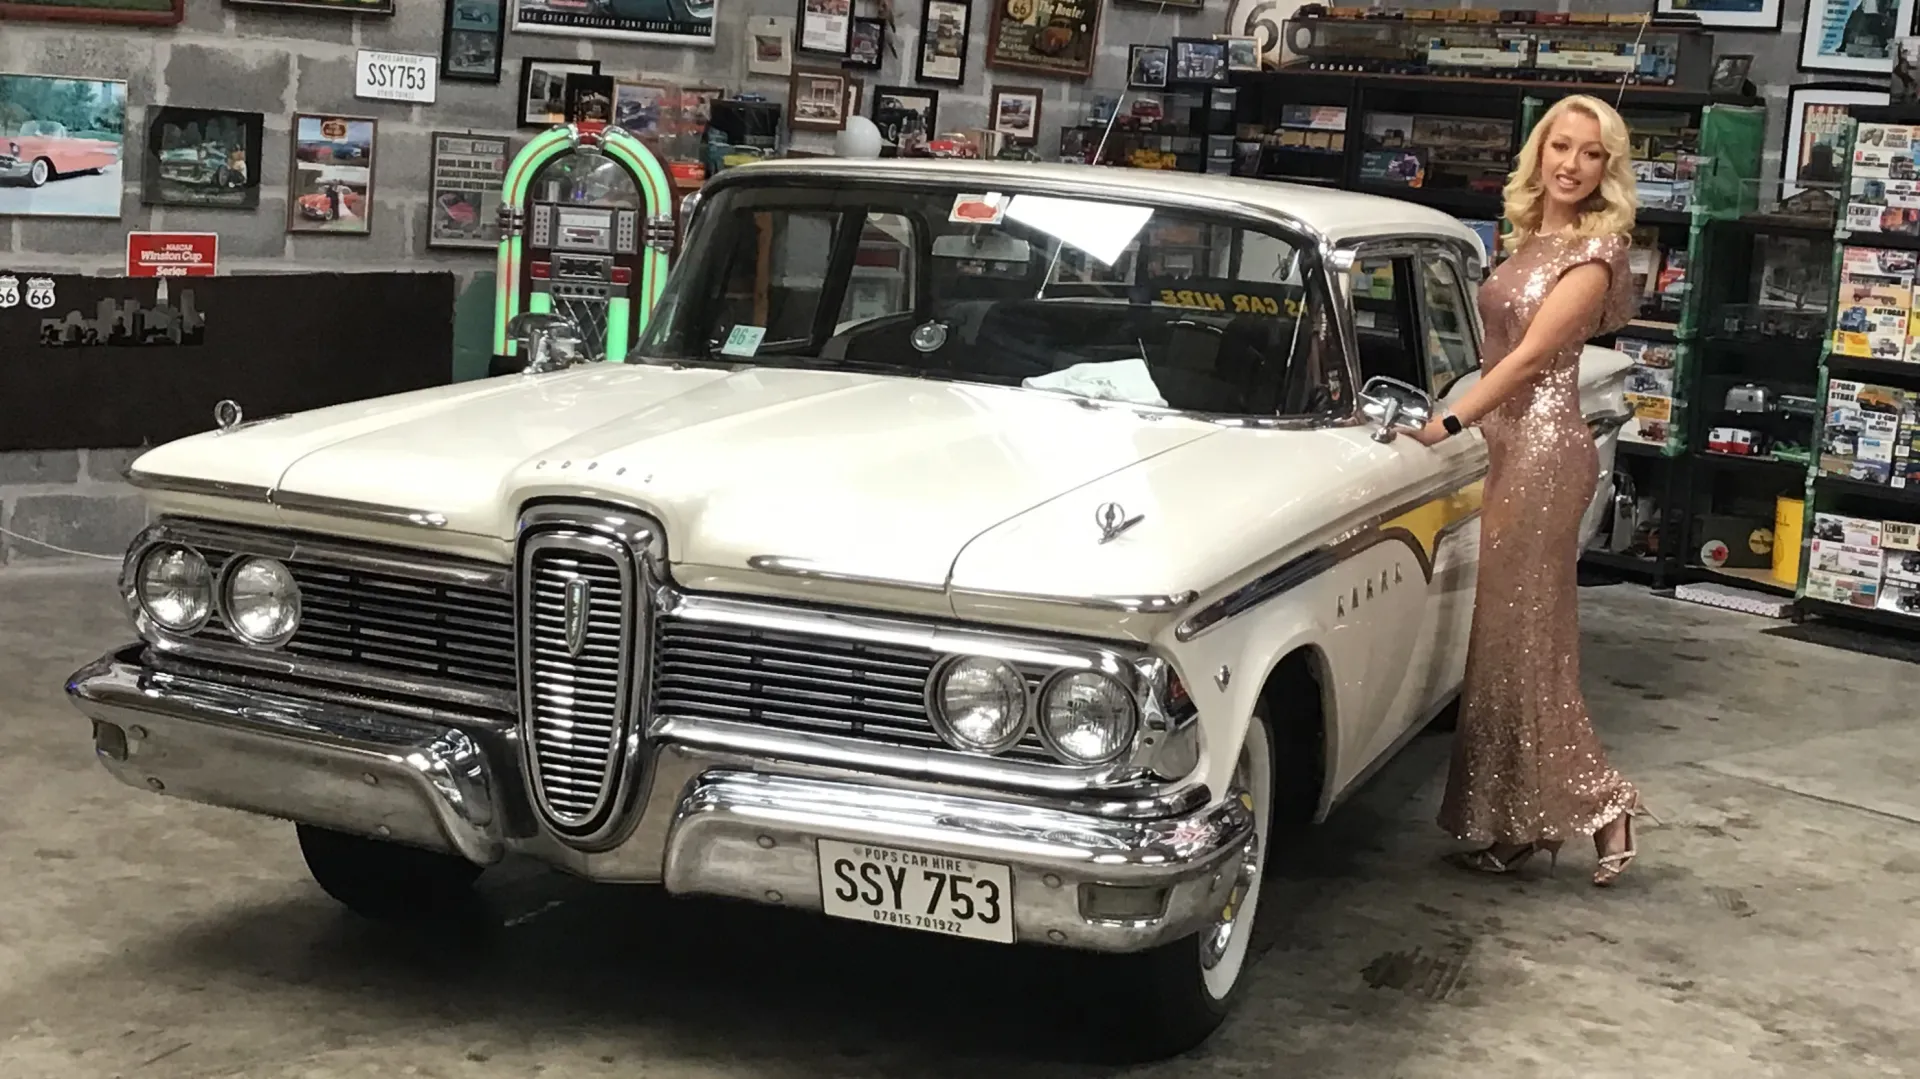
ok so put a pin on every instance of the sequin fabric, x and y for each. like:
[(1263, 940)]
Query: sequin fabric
[(1527, 764)]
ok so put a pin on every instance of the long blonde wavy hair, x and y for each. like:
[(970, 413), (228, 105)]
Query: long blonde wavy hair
[(1611, 207)]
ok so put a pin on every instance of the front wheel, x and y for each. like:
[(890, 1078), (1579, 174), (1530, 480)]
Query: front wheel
[(1171, 999), (385, 881), (39, 172)]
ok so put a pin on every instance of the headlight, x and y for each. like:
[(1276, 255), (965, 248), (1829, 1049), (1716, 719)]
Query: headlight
[(980, 704), (263, 603), (174, 588), (1087, 718)]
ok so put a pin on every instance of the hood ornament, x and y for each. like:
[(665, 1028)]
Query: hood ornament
[(227, 415), (1113, 520)]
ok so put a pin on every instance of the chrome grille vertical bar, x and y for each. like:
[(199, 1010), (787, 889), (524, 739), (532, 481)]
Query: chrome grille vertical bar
[(582, 624)]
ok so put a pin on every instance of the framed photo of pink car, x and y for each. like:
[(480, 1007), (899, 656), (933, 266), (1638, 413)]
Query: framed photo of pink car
[(465, 177), (1015, 113), (62, 146), (330, 183)]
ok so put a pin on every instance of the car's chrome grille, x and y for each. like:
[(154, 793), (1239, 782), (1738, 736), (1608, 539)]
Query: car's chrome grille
[(396, 625), (800, 682), (579, 617)]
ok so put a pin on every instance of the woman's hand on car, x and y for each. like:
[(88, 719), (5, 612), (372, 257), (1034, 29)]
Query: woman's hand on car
[(1429, 435)]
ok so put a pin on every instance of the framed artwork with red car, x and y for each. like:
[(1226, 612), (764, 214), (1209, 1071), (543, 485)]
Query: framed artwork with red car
[(466, 174), (330, 181), (129, 12)]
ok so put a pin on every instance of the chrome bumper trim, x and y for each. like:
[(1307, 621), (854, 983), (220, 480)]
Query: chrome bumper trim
[(334, 765), (751, 836), (707, 820)]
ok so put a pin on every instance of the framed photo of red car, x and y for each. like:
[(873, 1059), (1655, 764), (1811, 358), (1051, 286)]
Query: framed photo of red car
[(62, 146), (202, 157), (1051, 37), (330, 180), (125, 12), (465, 177)]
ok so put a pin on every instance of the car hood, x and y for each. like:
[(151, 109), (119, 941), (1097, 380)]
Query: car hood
[(833, 475)]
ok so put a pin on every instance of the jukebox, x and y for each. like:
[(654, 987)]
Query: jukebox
[(586, 225)]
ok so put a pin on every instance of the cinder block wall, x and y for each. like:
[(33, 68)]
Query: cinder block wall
[(280, 62)]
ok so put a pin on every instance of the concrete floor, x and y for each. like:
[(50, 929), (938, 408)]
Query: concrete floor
[(1768, 930)]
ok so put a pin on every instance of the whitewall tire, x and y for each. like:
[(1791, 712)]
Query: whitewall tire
[(1171, 999)]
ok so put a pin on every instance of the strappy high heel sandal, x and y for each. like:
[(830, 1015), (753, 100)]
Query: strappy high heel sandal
[(1612, 865), (1485, 860)]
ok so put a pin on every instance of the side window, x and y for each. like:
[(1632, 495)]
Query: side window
[(1382, 294), (1448, 325), (776, 274), (884, 272)]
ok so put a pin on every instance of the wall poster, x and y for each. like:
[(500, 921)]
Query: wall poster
[(202, 157), (1054, 37), (1726, 14), (673, 22), (1855, 36), (466, 177)]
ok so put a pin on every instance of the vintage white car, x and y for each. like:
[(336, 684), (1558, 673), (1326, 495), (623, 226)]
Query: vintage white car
[(997, 550)]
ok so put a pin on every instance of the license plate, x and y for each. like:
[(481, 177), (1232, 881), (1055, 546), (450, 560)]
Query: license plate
[(934, 893)]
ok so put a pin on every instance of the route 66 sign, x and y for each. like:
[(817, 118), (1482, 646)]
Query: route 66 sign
[(40, 293), (9, 290)]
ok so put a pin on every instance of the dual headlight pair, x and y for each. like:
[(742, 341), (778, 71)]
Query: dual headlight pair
[(258, 597), (983, 705)]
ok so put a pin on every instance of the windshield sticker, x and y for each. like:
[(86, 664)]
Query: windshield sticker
[(987, 209), (1239, 303), (744, 341)]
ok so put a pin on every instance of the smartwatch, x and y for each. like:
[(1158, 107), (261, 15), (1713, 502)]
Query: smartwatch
[(1451, 422)]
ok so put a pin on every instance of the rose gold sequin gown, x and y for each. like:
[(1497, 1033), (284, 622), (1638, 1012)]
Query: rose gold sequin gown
[(1526, 763)]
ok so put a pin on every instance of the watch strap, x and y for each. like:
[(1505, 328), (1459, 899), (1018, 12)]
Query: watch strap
[(1451, 422)]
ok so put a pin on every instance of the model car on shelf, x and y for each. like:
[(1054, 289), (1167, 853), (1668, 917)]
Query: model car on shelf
[(42, 150), (929, 562)]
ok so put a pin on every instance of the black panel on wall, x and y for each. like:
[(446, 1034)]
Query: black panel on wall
[(110, 364)]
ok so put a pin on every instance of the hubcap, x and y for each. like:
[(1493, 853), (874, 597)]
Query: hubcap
[(39, 172), (1223, 946)]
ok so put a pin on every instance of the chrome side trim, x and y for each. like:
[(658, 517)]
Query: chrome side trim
[(784, 566), (1344, 544), (1603, 424), (1144, 604), (187, 485), (297, 502), (288, 500)]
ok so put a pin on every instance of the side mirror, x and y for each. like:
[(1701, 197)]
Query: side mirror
[(1394, 404), (552, 342)]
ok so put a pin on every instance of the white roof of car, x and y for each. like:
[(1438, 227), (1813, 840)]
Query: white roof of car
[(1338, 215)]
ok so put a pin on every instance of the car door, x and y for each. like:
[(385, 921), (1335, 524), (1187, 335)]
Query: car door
[(1450, 339), (1424, 494)]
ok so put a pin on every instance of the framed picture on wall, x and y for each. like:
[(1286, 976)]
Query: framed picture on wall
[(867, 45), (1198, 62), (944, 28), (464, 182), (338, 7), (1726, 14), (1015, 113), (202, 157), (126, 12), (330, 181), (1147, 67), (1051, 37), (543, 87), (826, 26), (817, 99), (1815, 151), (770, 45), (72, 138), (472, 39), (667, 24), (1853, 36), (904, 112)]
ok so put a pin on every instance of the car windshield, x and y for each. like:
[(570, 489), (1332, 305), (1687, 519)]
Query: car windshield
[(41, 127), (1104, 298)]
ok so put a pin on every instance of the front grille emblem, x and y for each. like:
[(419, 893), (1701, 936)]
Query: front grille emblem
[(575, 615)]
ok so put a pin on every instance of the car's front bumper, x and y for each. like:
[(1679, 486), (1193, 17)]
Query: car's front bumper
[(13, 168), (709, 821)]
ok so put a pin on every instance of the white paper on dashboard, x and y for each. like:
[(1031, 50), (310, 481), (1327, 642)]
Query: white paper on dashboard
[(1114, 380)]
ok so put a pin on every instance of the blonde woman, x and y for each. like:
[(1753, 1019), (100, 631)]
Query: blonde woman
[(1527, 769)]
